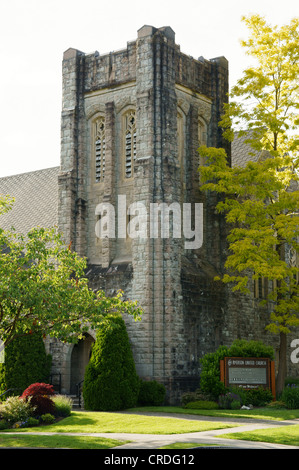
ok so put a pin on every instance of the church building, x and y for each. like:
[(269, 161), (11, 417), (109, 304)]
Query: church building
[(131, 124)]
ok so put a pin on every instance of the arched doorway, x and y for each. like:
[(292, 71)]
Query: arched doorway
[(79, 359)]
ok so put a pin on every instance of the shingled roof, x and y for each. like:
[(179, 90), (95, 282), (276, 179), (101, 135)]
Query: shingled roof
[(242, 152), (36, 200)]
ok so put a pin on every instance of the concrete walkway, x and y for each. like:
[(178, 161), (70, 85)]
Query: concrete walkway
[(146, 441), (208, 438)]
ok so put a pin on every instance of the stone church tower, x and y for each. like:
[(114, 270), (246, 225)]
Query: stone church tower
[(132, 122)]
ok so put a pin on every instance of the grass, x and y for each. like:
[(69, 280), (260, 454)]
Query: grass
[(58, 442), (185, 445), (132, 422), (101, 422), (256, 413), (287, 435)]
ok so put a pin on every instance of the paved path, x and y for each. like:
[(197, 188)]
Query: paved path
[(154, 441)]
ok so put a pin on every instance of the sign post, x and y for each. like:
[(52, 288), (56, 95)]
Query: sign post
[(248, 373)]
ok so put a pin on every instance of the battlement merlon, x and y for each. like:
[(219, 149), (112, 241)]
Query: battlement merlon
[(119, 67)]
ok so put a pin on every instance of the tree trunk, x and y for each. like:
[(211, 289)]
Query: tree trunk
[(282, 364)]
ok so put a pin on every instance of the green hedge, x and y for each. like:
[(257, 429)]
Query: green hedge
[(26, 362), (111, 382), (151, 393)]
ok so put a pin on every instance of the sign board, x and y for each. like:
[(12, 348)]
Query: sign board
[(247, 372)]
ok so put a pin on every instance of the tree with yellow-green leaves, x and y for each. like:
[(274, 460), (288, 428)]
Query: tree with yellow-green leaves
[(261, 200)]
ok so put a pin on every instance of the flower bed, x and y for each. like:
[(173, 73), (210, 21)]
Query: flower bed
[(37, 405)]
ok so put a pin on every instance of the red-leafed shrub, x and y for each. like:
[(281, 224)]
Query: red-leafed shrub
[(38, 389), (40, 394), (42, 405)]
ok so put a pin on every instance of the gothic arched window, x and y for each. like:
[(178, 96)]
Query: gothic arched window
[(130, 143), (99, 149), (202, 132), (180, 137)]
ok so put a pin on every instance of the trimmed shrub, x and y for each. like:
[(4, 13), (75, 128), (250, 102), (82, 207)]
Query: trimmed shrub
[(151, 393), (111, 382), (202, 405), (255, 397), (226, 400), (197, 395), (26, 362), (47, 418), (39, 394)]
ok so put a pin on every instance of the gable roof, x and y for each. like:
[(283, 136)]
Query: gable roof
[(36, 200)]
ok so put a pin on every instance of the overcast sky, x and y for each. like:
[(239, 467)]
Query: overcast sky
[(35, 33)]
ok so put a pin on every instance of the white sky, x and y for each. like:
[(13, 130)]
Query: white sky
[(35, 33)]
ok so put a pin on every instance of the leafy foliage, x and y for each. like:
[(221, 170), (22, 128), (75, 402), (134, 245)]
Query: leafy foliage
[(16, 409), (47, 418), (265, 99), (43, 288), (261, 200), (264, 223), (210, 382), (38, 389), (40, 395), (290, 396), (244, 348), (6, 203), (111, 382)]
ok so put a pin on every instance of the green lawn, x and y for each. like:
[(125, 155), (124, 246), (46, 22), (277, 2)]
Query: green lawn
[(101, 422), (132, 422), (256, 413), (58, 442), (287, 435), (185, 445)]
